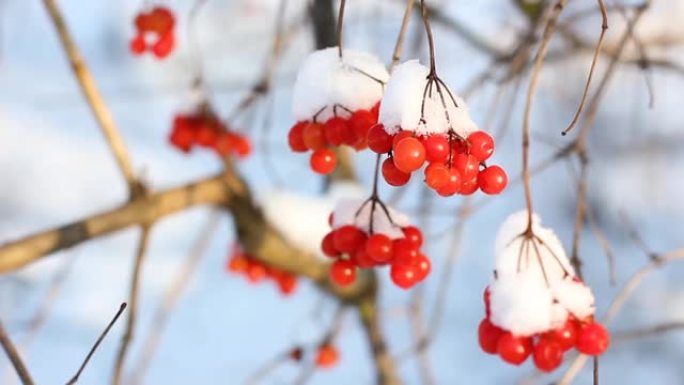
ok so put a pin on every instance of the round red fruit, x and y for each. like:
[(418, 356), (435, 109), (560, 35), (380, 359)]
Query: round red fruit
[(404, 275), (481, 145), (454, 184), (547, 355), (393, 175), (492, 180), (436, 175), (328, 245), (467, 165), (343, 272), (593, 339), (163, 47), (409, 155), (295, 138), (488, 336), (468, 187), (335, 131), (361, 121), (348, 238), (512, 349), (423, 267), (313, 136), (379, 141), (399, 136), (138, 45), (413, 235), (243, 147), (436, 148), (565, 336), (362, 259), (327, 356), (323, 161), (405, 252), (379, 248)]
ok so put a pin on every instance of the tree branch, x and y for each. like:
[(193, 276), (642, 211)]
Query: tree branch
[(14, 357)]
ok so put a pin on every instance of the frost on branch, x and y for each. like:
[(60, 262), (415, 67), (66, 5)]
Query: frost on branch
[(324, 81), (403, 101)]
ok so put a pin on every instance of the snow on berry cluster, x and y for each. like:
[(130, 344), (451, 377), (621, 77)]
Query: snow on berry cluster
[(535, 304), (335, 100), (203, 128), (368, 234), (421, 121), (255, 271), (154, 32)]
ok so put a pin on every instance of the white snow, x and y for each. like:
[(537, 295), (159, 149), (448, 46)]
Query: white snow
[(324, 80), (533, 290), (345, 214), (401, 105)]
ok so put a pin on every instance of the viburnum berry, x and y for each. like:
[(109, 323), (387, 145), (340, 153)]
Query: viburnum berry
[(203, 128), (362, 259), (514, 349), (361, 122), (409, 155), (401, 135), (404, 275), (348, 238), (313, 136), (163, 47), (327, 356), (437, 175), (138, 45), (436, 148), (423, 267), (379, 248), (547, 355), (413, 235), (468, 187), (467, 165), (335, 131), (323, 161), (328, 246), (481, 145), (405, 251), (565, 336), (295, 137), (453, 184), (488, 336), (593, 339), (379, 141), (155, 27), (492, 180), (343, 272), (393, 175), (255, 271)]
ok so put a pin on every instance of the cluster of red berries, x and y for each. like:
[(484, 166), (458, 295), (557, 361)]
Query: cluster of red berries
[(547, 349), (453, 162), (353, 248), (206, 130), (337, 131), (154, 32), (255, 271)]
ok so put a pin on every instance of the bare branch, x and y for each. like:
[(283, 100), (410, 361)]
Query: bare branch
[(14, 357)]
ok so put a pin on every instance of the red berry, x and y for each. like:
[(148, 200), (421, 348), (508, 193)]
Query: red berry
[(379, 141), (163, 47), (458, 146), (313, 136), (335, 131), (138, 45), (343, 272), (256, 271), (323, 161), (361, 121), (436, 148), (409, 155), (295, 138), (327, 356), (468, 187), (413, 235), (379, 248), (436, 175), (512, 349), (287, 283), (362, 259), (492, 180), (488, 336), (238, 263), (481, 145), (467, 165), (403, 275), (161, 20), (454, 184), (328, 245), (393, 175), (182, 137), (423, 266), (399, 136), (565, 336), (348, 238), (405, 251), (206, 135), (547, 355), (593, 339)]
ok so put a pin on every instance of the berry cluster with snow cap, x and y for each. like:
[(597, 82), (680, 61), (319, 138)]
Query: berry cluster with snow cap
[(154, 32), (421, 121), (335, 101), (255, 271), (366, 234), (203, 128), (535, 303)]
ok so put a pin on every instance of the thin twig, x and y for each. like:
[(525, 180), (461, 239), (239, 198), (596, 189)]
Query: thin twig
[(398, 46), (629, 335), (14, 357), (74, 379)]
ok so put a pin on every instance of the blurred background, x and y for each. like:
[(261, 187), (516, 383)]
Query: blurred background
[(55, 168)]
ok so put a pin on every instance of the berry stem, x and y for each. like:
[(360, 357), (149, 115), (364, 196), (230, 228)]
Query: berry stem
[(431, 42), (340, 20)]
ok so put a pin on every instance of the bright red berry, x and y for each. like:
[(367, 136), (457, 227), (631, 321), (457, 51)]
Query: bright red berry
[(593, 339), (393, 175), (323, 161), (295, 138), (565, 336), (343, 272), (413, 235), (423, 267), (256, 271), (362, 259), (163, 47), (243, 147), (379, 248), (238, 263), (405, 252), (361, 121), (488, 336), (287, 283), (467, 165), (335, 130), (409, 155), (313, 136), (436, 175), (138, 45), (206, 135), (436, 148), (468, 187), (399, 136), (379, 141), (348, 238), (512, 349), (328, 245), (327, 356), (404, 275), (481, 145), (454, 184), (492, 180), (547, 355)]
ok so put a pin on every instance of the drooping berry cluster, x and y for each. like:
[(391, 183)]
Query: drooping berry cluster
[(337, 131), (154, 32), (256, 272), (548, 348), (203, 128), (535, 304), (372, 236)]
